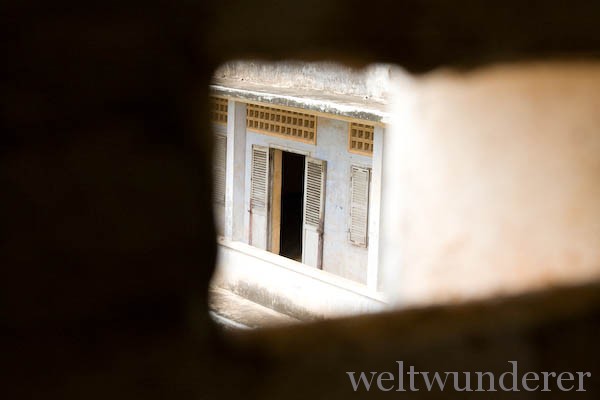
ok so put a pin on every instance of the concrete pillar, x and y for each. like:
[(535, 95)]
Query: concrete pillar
[(375, 209), (236, 170)]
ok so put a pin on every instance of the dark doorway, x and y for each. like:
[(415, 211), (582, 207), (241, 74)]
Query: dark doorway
[(292, 188)]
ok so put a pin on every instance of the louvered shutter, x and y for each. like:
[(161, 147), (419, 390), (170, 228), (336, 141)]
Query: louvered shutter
[(314, 206), (313, 193), (359, 205), (259, 197), (259, 179), (219, 167)]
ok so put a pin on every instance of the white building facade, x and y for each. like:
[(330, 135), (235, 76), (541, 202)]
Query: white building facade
[(297, 198)]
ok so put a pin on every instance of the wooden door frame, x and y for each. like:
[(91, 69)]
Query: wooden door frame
[(275, 185), (275, 172)]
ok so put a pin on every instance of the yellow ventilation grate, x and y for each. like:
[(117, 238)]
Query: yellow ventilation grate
[(278, 122), (360, 138), (218, 111)]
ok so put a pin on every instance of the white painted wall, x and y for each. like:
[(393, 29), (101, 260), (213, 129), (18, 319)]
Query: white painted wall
[(288, 286), (340, 257), (375, 216), (236, 170)]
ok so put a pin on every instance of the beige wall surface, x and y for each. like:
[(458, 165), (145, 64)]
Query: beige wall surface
[(492, 182)]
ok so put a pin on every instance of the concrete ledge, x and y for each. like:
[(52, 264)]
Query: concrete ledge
[(233, 311), (288, 286), (344, 107), (322, 87)]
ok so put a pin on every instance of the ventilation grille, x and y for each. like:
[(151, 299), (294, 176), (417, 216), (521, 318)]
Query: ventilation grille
[(360, 138), (259, 178), (313, 205), (220, 163), (218, 111), (359, 207), (278, 122)]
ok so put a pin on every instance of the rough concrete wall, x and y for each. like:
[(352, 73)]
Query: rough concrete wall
[(77, 76), (415, 34), (493, 182), (550, 331), (372, 82), (339, 256)]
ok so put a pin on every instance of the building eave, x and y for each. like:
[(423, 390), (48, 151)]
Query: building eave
[(344, 107)]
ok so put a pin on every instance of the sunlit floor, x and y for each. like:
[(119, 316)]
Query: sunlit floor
[(234, 312)]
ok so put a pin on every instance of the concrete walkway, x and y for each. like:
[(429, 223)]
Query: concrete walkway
[(235, 312)]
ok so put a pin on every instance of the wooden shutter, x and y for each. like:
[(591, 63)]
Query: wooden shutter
[(259, 178), (314, 207), (314, 188), (219, 168), (359, 205)]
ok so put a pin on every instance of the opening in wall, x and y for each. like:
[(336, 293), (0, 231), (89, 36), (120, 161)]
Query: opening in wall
[(287, 204), (291, 136)]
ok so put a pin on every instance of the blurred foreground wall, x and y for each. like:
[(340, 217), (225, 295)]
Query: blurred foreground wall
[(107, 242), (492, 182)]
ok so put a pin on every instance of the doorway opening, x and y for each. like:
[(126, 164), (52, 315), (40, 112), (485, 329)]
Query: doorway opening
[(288, 180)]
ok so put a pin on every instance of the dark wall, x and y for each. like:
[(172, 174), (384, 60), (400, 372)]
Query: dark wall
[(107, 241)]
